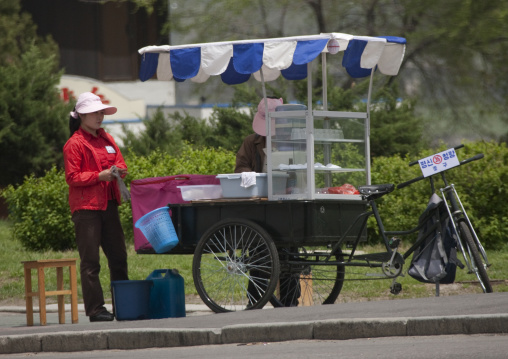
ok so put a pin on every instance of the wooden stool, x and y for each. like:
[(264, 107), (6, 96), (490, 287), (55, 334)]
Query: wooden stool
[(40, 265)]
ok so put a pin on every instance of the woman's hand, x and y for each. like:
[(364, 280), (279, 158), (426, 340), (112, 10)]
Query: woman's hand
[(122, 171), (106, 175)]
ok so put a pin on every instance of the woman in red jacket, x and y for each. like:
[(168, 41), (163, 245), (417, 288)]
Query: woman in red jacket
[(94, 196)]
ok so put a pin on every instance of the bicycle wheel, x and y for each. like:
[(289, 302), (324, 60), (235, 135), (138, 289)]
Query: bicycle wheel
[(235, 266), (477, 264), (307, 280)]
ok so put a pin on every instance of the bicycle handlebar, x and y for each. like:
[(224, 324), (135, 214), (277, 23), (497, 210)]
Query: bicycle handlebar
[(474, 158), (407, 183)]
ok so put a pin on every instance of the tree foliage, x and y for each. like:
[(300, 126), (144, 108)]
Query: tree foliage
[(226, 128), (158, 134), (18, 34), (455, 61), (395, 128), (32, 117), (33, 125), (229, 127)]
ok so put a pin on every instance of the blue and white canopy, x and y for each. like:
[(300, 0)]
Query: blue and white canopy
[(236, 61)]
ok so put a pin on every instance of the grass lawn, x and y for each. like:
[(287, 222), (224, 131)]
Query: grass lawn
[(140, 266), (11, 269)]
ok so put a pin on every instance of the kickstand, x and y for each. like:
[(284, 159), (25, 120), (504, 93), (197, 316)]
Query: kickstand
[(437, 289)]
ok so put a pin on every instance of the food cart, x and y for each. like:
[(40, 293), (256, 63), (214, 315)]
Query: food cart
[(275, 248)]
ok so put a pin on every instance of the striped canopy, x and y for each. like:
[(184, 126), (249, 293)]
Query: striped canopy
[(236, 61)]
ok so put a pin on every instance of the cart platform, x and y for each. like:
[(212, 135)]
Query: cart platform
[(289, 223)]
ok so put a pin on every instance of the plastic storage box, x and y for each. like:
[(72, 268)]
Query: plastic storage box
[(131, 299), (193, 193), (231, 188), (167, 298)]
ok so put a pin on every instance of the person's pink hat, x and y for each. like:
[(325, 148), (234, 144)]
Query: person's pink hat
[(259, 122), (89, 102)]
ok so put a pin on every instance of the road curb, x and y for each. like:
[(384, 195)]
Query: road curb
[(270, 332), (339, 329), (162, 338), (343, 329), (463, 324)]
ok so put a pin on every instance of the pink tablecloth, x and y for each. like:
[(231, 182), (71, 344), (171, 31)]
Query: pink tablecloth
[(148, 194)]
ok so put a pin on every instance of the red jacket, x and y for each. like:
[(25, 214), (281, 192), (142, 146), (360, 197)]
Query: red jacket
[(82, 168)]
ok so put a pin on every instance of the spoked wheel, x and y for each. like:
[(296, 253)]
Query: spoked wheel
[(306, 280), (478, 265), (235, 266)]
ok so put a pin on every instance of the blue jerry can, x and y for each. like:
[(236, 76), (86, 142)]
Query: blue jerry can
[(167, 297)]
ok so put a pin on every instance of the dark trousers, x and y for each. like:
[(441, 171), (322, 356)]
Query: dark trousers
[(95, 230)]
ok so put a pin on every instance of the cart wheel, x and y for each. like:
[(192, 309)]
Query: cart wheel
[(235, 266), (306, 279)]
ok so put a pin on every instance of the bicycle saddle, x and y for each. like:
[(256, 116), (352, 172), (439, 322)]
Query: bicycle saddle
[(374, 191)]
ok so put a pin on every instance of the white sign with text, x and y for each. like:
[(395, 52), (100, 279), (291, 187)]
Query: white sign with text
[(439, 162)]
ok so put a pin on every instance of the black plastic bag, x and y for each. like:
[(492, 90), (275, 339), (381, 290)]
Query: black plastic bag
[(435, 260)]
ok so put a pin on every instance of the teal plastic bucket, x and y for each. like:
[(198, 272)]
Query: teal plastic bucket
[(131, 299), (167, 297), (158, 229)]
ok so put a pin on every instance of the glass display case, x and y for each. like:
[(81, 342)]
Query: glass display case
[(318, 154)]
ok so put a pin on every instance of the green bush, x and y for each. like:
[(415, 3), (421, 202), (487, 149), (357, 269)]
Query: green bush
[(40, 213), (482, 187), (39, 207)]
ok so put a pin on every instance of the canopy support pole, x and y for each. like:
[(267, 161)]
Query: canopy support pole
[(325, 81), (309, 86), (327, 150), (309, 124), (268, 140), (367, 129)]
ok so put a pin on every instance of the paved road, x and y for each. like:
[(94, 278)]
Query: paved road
[(465, 314), (483, 346)]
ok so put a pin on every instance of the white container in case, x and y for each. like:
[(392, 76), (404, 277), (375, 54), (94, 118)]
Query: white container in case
[(204, 191), (231, 187)]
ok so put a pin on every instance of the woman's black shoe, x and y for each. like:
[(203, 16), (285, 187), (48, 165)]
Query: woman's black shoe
[(102, 317)]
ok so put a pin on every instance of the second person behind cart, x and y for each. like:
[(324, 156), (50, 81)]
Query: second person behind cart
[(251, 157)]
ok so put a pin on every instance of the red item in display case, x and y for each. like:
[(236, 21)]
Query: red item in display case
[(344, 189)]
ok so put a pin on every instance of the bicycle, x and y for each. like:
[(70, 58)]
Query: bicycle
[(467, 240), (323, 270)]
